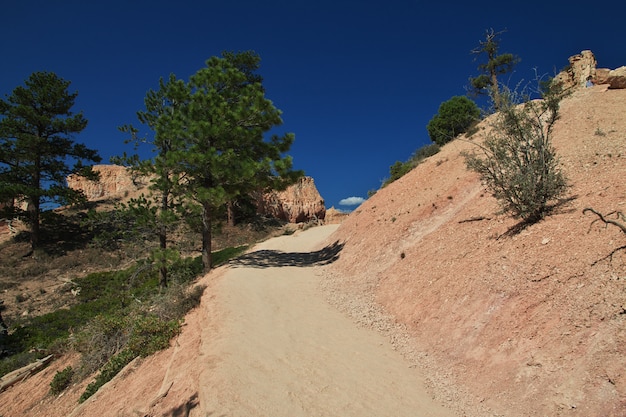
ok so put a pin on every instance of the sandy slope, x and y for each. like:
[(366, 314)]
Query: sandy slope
[(524, 324), (264, 342)]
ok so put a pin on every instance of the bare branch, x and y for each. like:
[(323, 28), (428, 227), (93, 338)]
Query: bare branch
[(606, 221)]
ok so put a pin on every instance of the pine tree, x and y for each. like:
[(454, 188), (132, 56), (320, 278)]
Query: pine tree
[(227, 155), (163, 119), (36, 146), (497, 64)]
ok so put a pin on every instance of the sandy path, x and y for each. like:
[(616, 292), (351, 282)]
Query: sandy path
[(283, 351)]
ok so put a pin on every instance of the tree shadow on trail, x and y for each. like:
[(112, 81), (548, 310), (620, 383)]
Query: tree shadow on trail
[(276, 258)]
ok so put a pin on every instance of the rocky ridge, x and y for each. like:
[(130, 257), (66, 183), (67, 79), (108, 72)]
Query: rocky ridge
[(298, 203)]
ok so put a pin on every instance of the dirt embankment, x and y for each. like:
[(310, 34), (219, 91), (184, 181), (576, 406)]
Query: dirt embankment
[(514, 325)]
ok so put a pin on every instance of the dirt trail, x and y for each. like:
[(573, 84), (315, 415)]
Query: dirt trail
[(283, 351)]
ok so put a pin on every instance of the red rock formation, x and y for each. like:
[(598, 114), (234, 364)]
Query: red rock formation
[(300, 202), (114, 180), (582, 67)]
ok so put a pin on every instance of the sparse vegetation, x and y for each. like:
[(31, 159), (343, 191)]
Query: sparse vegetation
[(116, 316), (399, 169), (62, 380), (519, 166)]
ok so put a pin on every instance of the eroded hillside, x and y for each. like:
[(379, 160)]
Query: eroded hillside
[(522, 324)]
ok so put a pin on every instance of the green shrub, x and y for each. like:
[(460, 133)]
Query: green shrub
[(455, 116), (100, 340), (399, 169), (61, 380), (17, 361), (112, 368), (519, 166)]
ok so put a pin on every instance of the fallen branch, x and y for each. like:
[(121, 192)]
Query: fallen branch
[(603, 218), (606, 221), (23, 373)]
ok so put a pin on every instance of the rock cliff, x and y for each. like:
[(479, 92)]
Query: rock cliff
[(300, 202), (115, 181)]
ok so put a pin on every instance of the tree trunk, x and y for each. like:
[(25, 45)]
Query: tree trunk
[(163, 241), (32, 208), (163, 267), (206, 237), (495, 90), (230, 213)]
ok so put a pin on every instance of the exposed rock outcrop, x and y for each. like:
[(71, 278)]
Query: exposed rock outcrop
[(617, 78), (334, 216), (114, 181), (300, 202), (583, 67)]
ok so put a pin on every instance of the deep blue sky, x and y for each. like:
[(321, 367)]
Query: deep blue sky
[(357, 81)]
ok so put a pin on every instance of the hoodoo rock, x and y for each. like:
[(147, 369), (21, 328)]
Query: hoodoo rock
[(300, 202), (114, 181), (583, 67)]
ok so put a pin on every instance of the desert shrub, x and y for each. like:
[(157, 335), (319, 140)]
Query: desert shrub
[(100, 340), (454, 117), (147, 334), (62, 379), (399, 169), (112, 368), (519, 166), (18, 360), (174, 303)]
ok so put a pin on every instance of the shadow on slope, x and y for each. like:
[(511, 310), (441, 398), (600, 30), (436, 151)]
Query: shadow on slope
[(275, 258)]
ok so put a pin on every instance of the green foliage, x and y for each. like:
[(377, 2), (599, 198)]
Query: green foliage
[(159, 219), (112, 368), (222, 256), (399, 169), (486, 83), (223, 121), (455, 116), (18, 360), (136, 335), (36, 126), (62, 379), (210, 149), (98, 324), (519, 166)]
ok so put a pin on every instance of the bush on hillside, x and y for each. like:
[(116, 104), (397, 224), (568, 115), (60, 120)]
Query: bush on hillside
[(455, 116), (519, 166), (399, 169)]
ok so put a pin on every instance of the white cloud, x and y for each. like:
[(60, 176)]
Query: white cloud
[(351, 201)]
